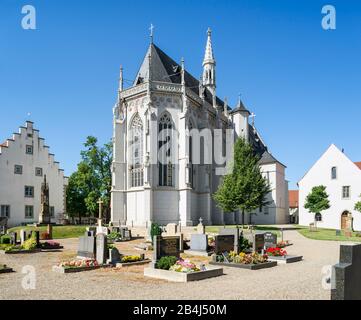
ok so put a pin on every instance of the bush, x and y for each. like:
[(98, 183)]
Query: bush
[(155, 230), (5, 240), (166, 262), (30, 244), (244, 244)]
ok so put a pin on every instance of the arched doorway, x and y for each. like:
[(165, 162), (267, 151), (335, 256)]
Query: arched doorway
[(346, 220)]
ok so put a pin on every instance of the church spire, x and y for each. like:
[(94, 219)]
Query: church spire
[(121, 78), (209, 66)]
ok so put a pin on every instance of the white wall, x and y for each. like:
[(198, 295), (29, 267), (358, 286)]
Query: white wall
[(12, 185), (348, 174)]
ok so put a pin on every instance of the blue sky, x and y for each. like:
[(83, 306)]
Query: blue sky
[(301, 81)]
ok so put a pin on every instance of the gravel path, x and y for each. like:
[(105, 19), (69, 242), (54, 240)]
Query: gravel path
[(302, 280)]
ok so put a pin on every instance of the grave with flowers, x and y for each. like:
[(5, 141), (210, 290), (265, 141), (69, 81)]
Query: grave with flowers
[(93, 253), (231, 252), (168, 265), (280, 255)]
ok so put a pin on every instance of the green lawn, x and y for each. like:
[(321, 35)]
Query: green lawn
[(59, 232), (327, 234)]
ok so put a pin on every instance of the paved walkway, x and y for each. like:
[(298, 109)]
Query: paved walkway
[(302, 280)]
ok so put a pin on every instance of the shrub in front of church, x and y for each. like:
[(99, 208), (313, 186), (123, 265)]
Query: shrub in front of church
[(166, 262), (155, 230)]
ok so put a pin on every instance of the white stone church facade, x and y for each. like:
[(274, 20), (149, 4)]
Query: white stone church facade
[(24, 161), (161, 108)]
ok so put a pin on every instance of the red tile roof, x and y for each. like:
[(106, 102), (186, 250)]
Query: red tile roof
[(293, 198), (358, 164)]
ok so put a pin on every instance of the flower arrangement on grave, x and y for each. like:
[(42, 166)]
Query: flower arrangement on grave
[(78, 263), (276, 252), (244, 258), (51, 243), (283, 244), (126, 259), (185, 266)]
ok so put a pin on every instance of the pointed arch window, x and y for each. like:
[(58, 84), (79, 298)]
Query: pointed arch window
[(136, 152), (190, 153), (165, 165)]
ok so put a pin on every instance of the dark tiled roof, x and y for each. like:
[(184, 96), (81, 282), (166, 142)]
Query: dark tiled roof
[(165, 69)]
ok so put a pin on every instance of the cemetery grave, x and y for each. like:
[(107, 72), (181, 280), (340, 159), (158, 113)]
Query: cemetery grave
[(10, 245), (93, 253), (345, 276), (199, 244), (232, 250), (167, 264), (276, 253)]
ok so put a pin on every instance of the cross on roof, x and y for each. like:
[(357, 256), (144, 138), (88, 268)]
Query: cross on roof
[(151, 32)]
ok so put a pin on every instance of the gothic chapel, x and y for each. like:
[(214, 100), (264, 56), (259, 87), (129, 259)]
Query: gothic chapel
[(164, 97)]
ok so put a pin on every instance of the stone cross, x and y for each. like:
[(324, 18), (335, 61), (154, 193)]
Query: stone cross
[(151, 32)]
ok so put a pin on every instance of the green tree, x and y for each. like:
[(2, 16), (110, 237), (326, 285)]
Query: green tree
[(245, 188), (91, 181), (317, 201), (358, 205)]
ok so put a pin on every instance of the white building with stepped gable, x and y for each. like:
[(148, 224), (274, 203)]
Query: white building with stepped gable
[(152, 121), (24, 161)]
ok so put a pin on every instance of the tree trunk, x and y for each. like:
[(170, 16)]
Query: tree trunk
[(79, 215)]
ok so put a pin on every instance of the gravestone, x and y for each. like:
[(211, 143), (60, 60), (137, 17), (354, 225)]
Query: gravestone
[(102, 230), (199, 242), (13, 238), (101, 248), (86, 247), (258, 242), (348, 233), (37, 237), (346, 276), (166, 246), (171, 229), (236, 233), (270, 240), (50, 231), (126, 234), (22, 236), (224, 243), (114, 256), (90, 233)]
